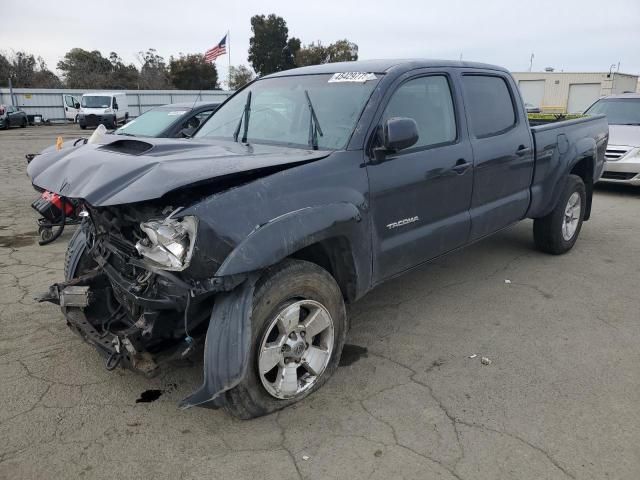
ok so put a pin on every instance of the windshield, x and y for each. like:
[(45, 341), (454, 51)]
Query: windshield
[(619, 111), (151, 123), (302, 111), (95, 102)]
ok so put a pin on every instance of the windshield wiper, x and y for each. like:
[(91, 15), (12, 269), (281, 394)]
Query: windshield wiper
[(246, 114), (314, 125)]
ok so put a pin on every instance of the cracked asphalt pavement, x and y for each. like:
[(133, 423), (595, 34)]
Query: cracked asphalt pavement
[(559, 399)]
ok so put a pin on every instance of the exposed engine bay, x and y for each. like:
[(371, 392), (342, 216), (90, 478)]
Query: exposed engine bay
[(128, 293)]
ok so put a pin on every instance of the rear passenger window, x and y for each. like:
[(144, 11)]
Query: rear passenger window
[(489, 105), (428, 101)]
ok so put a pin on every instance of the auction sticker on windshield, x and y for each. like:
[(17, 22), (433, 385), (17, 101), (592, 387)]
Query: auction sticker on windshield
[(358, 77)]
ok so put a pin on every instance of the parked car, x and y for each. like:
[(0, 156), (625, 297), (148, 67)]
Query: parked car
[(306, 189), (532, 108), (176, 120), (11, 116), (623, 151), (108, 109)]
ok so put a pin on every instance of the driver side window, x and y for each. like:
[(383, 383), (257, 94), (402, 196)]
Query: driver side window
[(427, 100)]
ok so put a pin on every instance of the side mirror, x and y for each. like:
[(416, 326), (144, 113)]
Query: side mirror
[(76, 105), (115, 106), (398, 133)]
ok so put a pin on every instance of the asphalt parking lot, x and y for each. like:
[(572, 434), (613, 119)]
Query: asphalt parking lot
[(559, 399)]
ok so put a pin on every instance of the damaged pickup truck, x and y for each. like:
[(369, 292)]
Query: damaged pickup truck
[(305, 190)]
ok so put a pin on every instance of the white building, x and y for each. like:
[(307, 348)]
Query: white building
[(563, 92)]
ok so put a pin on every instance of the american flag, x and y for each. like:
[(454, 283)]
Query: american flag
[(220, 49)]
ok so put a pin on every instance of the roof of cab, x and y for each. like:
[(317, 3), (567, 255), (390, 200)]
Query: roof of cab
[(103, 94), (380, 66)]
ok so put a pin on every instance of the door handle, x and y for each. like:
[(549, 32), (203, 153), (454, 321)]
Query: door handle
[(522, 150), (461, 166)]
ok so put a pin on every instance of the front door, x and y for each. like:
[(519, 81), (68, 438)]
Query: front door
[(70, 110), (421, 196)]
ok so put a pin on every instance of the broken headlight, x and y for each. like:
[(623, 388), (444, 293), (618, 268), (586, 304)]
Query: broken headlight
[(169, 242)]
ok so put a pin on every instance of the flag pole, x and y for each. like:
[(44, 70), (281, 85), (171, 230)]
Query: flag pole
[(229, 52)]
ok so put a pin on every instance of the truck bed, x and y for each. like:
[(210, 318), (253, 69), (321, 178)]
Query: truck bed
[(557, 145)]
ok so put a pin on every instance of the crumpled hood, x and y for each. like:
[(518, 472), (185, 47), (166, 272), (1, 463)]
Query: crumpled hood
[(624, 135), (117, 173)]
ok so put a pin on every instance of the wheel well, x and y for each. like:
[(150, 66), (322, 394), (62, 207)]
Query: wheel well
[(334, 255), (584, 169)]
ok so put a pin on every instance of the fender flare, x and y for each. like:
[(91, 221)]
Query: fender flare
[(227, 346), (275, 240), (584, 148), (75, 250)]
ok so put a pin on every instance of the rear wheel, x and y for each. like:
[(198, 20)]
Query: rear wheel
[(298, 331), (558, 231)]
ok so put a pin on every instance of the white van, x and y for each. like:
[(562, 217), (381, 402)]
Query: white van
[(107, 108)]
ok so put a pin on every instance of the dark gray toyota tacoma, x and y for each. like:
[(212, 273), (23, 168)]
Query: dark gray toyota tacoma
[(305, 190)]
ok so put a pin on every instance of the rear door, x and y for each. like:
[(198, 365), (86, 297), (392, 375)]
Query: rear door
[(502, 151), (420, 196)]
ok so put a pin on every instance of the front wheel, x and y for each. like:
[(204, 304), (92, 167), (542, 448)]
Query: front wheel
[(557, 232), (24, 123), (299, 327)]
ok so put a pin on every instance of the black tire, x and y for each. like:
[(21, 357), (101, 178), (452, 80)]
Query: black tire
[(24, 123), (280, 285), (83, 127), (6, 124), (547, 231)]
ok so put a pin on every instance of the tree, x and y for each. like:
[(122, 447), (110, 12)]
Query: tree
[(312, 54), (27, 71), (84, 69), (193, 72), (122, 76), (23, 67), (270, 49), (154, 73), (239, 76), (45, 78), (342, 51), (5, 70), (316, 54)]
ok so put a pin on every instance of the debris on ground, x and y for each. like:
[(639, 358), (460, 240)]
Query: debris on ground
[(473, 356), (305, 457), (485, 361), (507, 281)]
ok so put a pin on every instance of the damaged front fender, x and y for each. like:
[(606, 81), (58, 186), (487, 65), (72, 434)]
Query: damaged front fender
[(227, 345)]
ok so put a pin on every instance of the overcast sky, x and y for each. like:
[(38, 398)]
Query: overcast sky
[(569, 35)]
